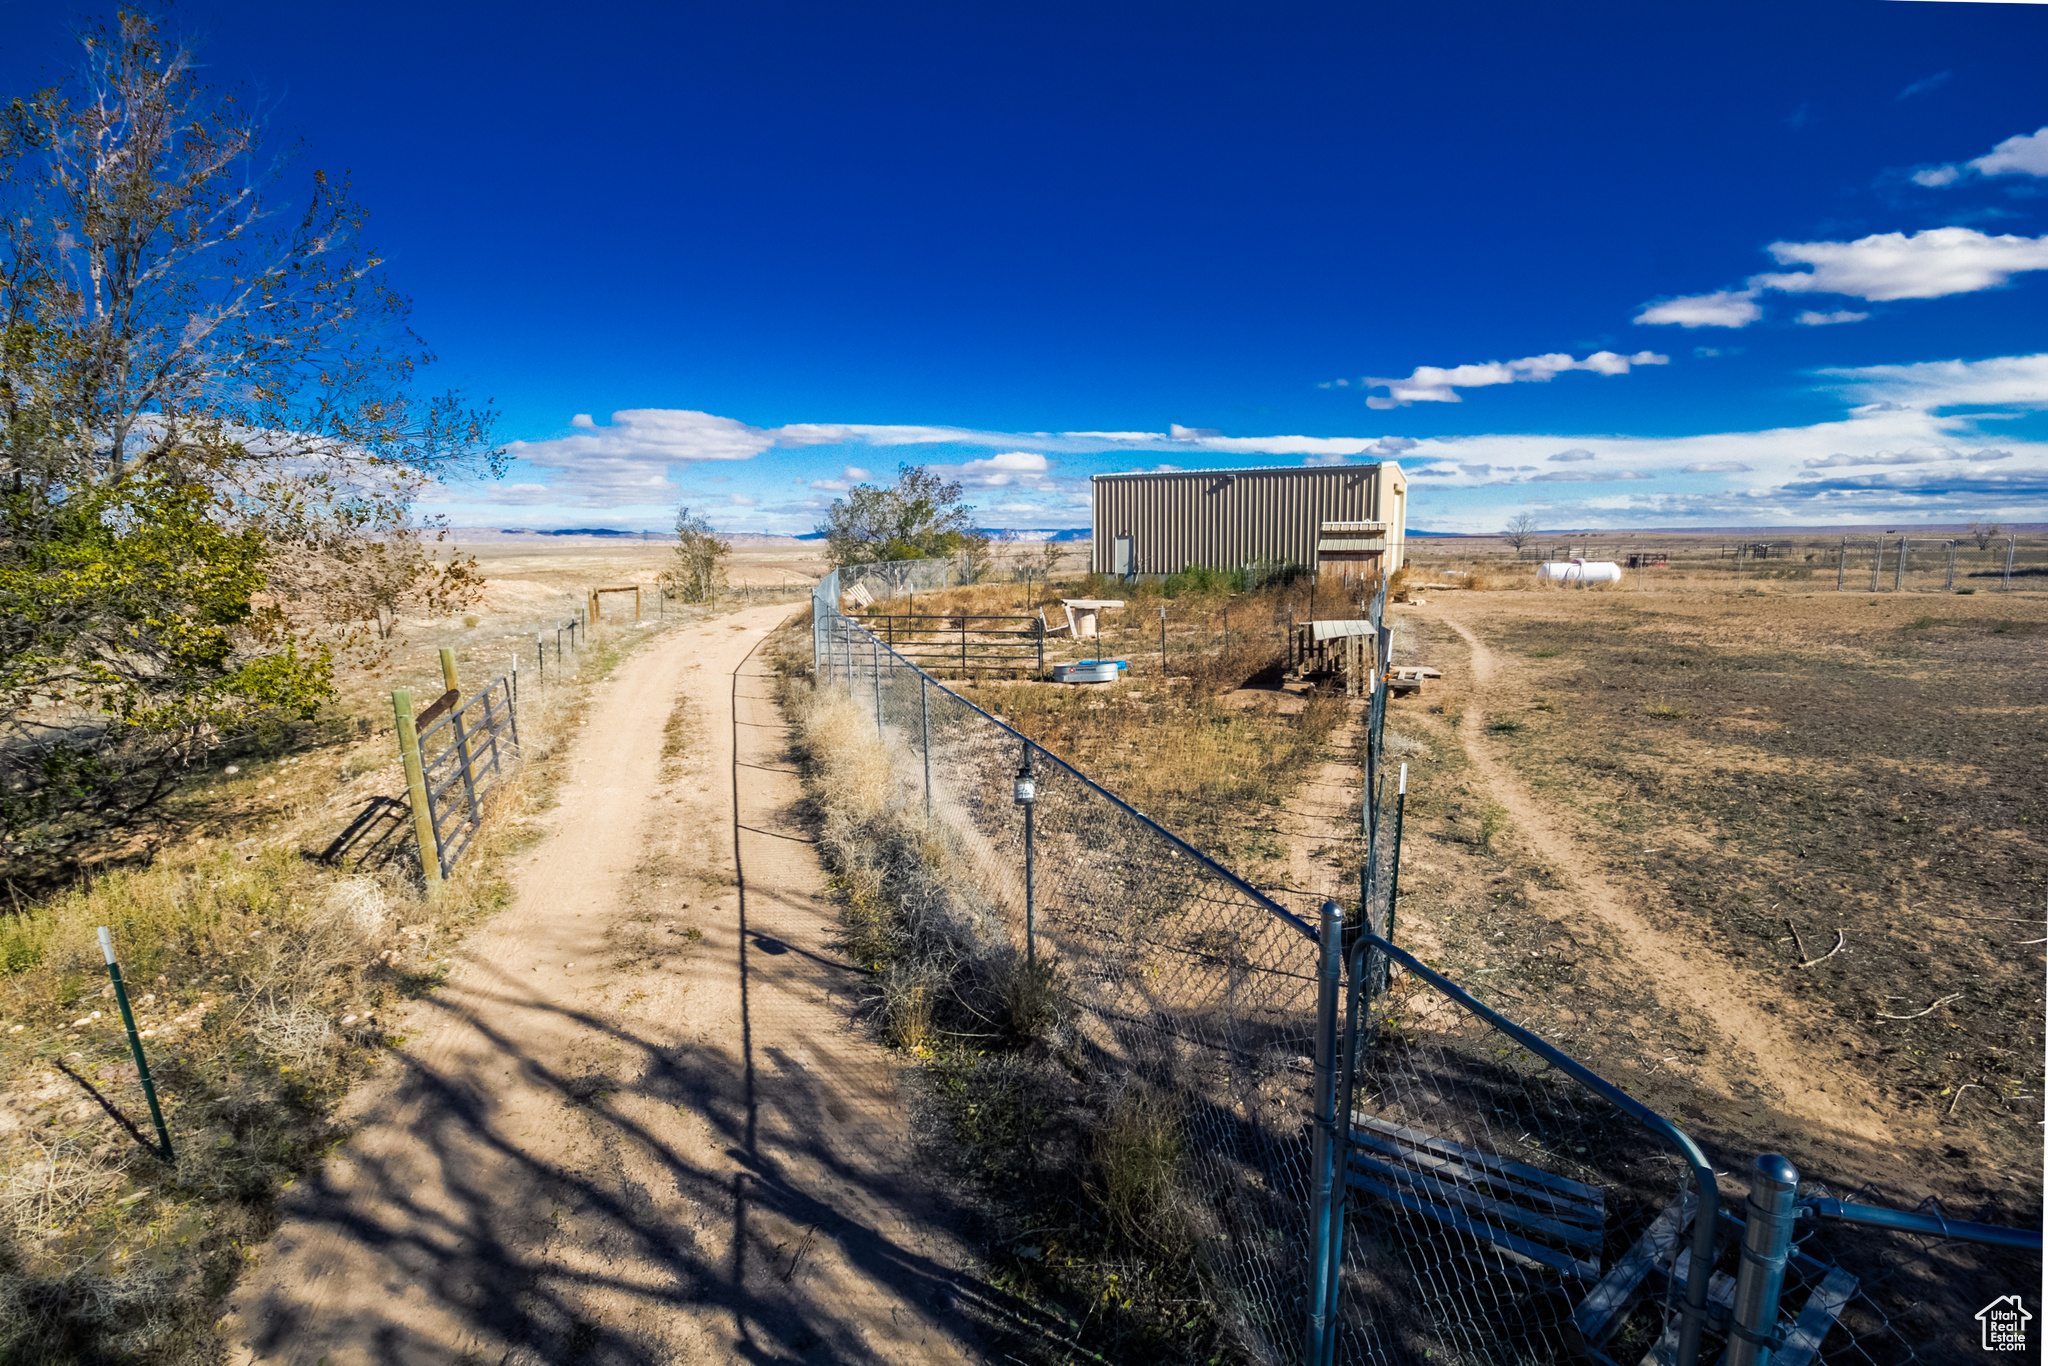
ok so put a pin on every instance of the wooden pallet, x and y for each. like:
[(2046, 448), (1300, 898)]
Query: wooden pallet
[(1664, 1250), (1529, 1214)]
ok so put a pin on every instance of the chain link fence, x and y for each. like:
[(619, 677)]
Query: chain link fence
[(1184, 990), (1371, 1163)]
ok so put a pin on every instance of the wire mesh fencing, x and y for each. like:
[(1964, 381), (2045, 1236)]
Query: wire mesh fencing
[(1857, 1294), (1183, 988), (464, 754), (1372, 1163)]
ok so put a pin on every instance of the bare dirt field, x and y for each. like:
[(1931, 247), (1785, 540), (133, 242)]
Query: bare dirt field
[(1652, 817)]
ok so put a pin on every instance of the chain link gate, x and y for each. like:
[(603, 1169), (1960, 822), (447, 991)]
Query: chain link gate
[(1382, 1167)]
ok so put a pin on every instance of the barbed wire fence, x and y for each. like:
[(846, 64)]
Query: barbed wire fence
[(1375, 1164)]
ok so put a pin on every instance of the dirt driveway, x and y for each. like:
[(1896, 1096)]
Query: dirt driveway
[(637, 1125)]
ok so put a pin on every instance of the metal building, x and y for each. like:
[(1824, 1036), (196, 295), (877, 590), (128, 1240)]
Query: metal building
[(1349, 516)]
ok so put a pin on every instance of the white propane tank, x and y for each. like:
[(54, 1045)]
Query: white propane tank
[(1578, 573)]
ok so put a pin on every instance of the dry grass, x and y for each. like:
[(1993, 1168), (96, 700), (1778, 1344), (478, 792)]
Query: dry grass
[(265, 986), (1078, 1176), (1137, 1164)]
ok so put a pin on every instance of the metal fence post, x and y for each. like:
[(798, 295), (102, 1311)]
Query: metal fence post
[(924, 725), (416, 790), (1841, 563), (1323, 1157), (135, 1045), (875, 653), (1877, 565), (1766, 1243), (1899, 564), (1026, 793), (1950, 584)]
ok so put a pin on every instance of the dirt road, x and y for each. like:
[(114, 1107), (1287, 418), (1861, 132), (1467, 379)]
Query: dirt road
[(1765, 1049), (637, 1125)]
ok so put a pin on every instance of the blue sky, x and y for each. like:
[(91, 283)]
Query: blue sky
[(1643, 264)]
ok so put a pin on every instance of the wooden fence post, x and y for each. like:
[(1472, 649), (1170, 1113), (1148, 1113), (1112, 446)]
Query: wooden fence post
[(448, 670), (416, 790)]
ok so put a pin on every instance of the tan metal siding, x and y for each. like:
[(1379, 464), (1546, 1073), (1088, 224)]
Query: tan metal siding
[(1225, 518)]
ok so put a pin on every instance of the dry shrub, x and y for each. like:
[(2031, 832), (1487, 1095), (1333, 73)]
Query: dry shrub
[(48, 1187), (1138, 1154), (1030, 995)]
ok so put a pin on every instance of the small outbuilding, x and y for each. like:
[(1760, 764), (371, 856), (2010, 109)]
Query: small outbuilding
[(1346, 518)]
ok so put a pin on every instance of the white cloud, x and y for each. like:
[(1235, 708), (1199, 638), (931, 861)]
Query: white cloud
[(857, 433), (1724, 308), (1715, 467), (628, 461), (1925, 85), (1437, 384), (2021, 154), (855, 472), (1897, 265), (1588, 476), (1934, 177), (1025, 469), (1923, 455), (2001, 381), (1889, 265), (1575, 453), (1176, 432)]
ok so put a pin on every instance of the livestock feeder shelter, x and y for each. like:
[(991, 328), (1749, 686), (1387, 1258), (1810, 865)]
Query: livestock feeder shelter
[(1349, 519)]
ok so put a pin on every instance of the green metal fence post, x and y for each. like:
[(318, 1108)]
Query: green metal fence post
[(416, 790), (135, 1046)]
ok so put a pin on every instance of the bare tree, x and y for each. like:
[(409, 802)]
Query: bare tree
[(1984, 533), (199, 315), (1520, 530), (209, 431), (699, 570), (1050, 555)]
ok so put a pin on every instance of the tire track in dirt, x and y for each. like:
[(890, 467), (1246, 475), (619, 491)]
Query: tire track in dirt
[(1692, 977), (638, 1124)]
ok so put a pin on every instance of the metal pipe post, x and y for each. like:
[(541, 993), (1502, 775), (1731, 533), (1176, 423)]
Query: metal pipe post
[(1766, 1244), (135, 1046), (1026, 793), (2012, 544), (875, 653), (1030, 887), (1899, 565), (416, 790), (1841, 563), (1162, 642), (1394, 873), (1877, 565), (924, 726), (1323, 1158)]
